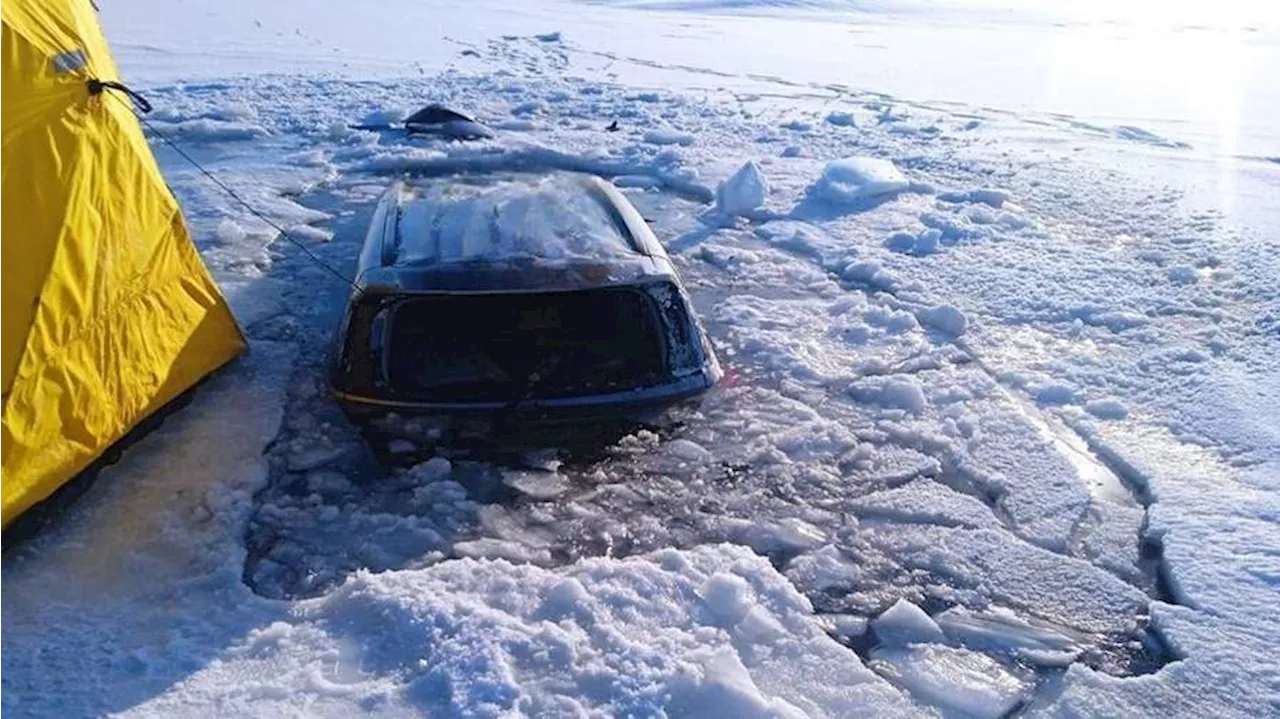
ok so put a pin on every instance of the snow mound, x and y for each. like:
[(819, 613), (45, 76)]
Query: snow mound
[(743, 192), (709, 631), (858, 178)]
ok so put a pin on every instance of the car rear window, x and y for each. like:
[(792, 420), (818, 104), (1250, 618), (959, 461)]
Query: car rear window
[(513, 347), (554, 218)]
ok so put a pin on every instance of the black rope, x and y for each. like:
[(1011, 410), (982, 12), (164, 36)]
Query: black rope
[(146, 107)]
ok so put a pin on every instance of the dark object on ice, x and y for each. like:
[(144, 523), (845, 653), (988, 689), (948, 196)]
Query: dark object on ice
[(440, 120), (523, 312), (613, 127), (434, 120)]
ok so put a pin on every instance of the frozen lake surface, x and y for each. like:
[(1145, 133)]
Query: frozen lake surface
[(996, 293)]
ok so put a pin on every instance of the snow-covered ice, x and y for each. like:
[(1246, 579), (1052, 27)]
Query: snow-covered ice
[(743, 192), (856, 178), (904, 623), (998, 431)]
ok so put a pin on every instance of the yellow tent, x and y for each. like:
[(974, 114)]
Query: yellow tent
[(108, 310)]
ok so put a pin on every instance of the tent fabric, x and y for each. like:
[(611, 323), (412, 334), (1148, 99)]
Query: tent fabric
[(108, 310)]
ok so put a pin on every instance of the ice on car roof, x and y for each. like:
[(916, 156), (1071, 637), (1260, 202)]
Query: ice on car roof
[(550, 218)]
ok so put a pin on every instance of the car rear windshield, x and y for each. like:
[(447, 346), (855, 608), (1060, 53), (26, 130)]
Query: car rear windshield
[(513, 347)]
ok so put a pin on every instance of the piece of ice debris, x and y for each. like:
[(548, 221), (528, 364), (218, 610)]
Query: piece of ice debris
[(565, 598), (314, 457), (797, 125), (529, 107), (989, 196), (971, 124), (383, 117), (902, 242), (1180, 275), (401, 446), (867, 273), (842, 626), (514, 552), (689, 450), (791, 534), (1054, 393), (433, 469), (514, 125), (230, 233), (1107, 408), (644, 182), (986, 196), (841, 119), (549, 37), (200, 514), (943, 318), (328, 483), (962, 682), (823, 569), (791, 151), (894, 392), (535, 484), (856, 178), (743, 192), (668, 137), (208, 130), (1012, 221), (1000, 630), (307, 232), (980, 216), (905, 623), (1116, 321), (547, 460), (927, 242), (727, 257)]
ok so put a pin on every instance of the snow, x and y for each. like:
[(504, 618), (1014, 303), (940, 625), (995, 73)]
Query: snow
[(1031, 409)]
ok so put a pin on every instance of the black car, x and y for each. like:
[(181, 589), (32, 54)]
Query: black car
[(530, 308)]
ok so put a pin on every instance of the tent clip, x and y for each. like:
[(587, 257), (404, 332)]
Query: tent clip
[(96, 87)]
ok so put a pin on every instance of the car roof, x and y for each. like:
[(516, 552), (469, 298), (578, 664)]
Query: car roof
[(517, 232)]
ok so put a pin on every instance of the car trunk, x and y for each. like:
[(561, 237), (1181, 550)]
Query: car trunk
[(517, 347)]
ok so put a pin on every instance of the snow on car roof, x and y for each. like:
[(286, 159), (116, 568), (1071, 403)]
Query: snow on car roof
[(555, 217)]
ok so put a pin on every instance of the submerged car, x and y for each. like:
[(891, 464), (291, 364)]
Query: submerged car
[(529, 309)]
